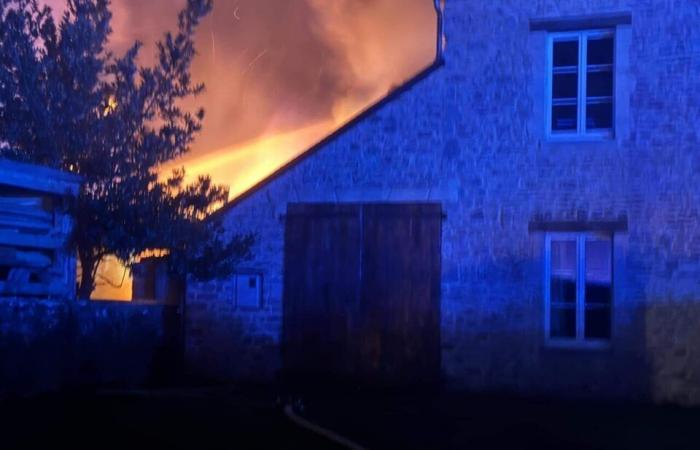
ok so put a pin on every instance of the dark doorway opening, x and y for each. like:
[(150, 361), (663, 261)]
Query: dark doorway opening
[(362, 292)]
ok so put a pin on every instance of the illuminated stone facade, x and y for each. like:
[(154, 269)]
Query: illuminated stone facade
[(471, 135)]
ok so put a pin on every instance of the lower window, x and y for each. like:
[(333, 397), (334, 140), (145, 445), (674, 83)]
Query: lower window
[(579, 288)]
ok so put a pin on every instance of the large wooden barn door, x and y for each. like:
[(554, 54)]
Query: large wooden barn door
[(401, 291), (362, 291), (321, 287)]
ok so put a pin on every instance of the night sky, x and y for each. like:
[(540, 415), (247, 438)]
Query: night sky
[(282, 74)]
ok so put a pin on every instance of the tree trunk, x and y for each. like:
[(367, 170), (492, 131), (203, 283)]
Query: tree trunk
[(87, 277)]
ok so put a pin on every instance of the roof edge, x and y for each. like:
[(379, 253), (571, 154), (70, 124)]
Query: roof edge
[(392, 95)]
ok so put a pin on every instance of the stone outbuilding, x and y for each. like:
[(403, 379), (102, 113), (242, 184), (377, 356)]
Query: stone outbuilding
[(524, 215)]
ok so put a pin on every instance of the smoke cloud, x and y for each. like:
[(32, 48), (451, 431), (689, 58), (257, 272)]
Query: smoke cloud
[(282, 74)]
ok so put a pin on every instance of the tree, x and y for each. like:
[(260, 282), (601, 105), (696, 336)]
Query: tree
[(68, 102)]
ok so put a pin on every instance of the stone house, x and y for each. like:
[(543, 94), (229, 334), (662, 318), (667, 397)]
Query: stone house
[(522, 216)]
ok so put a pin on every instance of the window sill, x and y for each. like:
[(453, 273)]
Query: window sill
[(580, 143), (567, 344), (568, 138)]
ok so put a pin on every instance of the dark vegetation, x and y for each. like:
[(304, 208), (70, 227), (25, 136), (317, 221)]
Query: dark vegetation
[(66, 101)]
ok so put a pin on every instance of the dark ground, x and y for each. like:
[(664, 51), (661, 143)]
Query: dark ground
[(253, 418), (461, 421), (190, 419)]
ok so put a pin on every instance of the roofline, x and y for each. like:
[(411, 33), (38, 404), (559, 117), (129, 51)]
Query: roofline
[(393, 94)]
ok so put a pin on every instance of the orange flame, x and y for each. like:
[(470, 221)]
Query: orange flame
[(280, 75)]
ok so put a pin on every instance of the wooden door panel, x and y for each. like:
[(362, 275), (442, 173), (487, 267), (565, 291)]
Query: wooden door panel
[(400, 290), (321, 289), (362, 290)]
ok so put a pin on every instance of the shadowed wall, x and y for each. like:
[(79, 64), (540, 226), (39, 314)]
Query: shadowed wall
[(53, 344)]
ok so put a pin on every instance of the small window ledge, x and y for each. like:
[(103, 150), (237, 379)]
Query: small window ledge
[(574, 138), (570, 344), (575, 23)]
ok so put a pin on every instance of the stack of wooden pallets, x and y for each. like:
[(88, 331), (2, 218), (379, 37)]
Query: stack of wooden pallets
[(34, 228)]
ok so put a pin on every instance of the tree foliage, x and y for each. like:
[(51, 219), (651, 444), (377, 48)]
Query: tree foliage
[(68, 102)]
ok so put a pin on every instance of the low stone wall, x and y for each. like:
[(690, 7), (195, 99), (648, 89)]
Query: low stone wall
[(673, 344), (225, 343), (54, 344)]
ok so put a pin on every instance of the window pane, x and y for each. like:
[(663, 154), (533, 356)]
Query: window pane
[(564, 117), (565, 80), (563, 290), (563, 322), (597, 322), (598, 271), (565, 53), (599, 84), (563, 272), (598, 289), (599, 115), (597, 293), (565, 85), (600, 51)]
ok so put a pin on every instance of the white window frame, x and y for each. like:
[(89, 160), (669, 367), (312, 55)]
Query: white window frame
[(580, 341), (580, 132)]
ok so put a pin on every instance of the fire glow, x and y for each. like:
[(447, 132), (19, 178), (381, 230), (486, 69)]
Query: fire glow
[(280, 75)]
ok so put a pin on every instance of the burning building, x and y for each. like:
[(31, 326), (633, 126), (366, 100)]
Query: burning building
[(520, 216)]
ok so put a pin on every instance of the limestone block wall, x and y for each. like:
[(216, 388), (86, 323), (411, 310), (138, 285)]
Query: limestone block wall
[(471, 136)]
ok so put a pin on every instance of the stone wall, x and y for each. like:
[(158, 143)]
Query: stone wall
[(223, 342), (47, 345), (672, 338), (471, 135)]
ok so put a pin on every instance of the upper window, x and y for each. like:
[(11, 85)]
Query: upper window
[(580, 91), (579, 288)]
